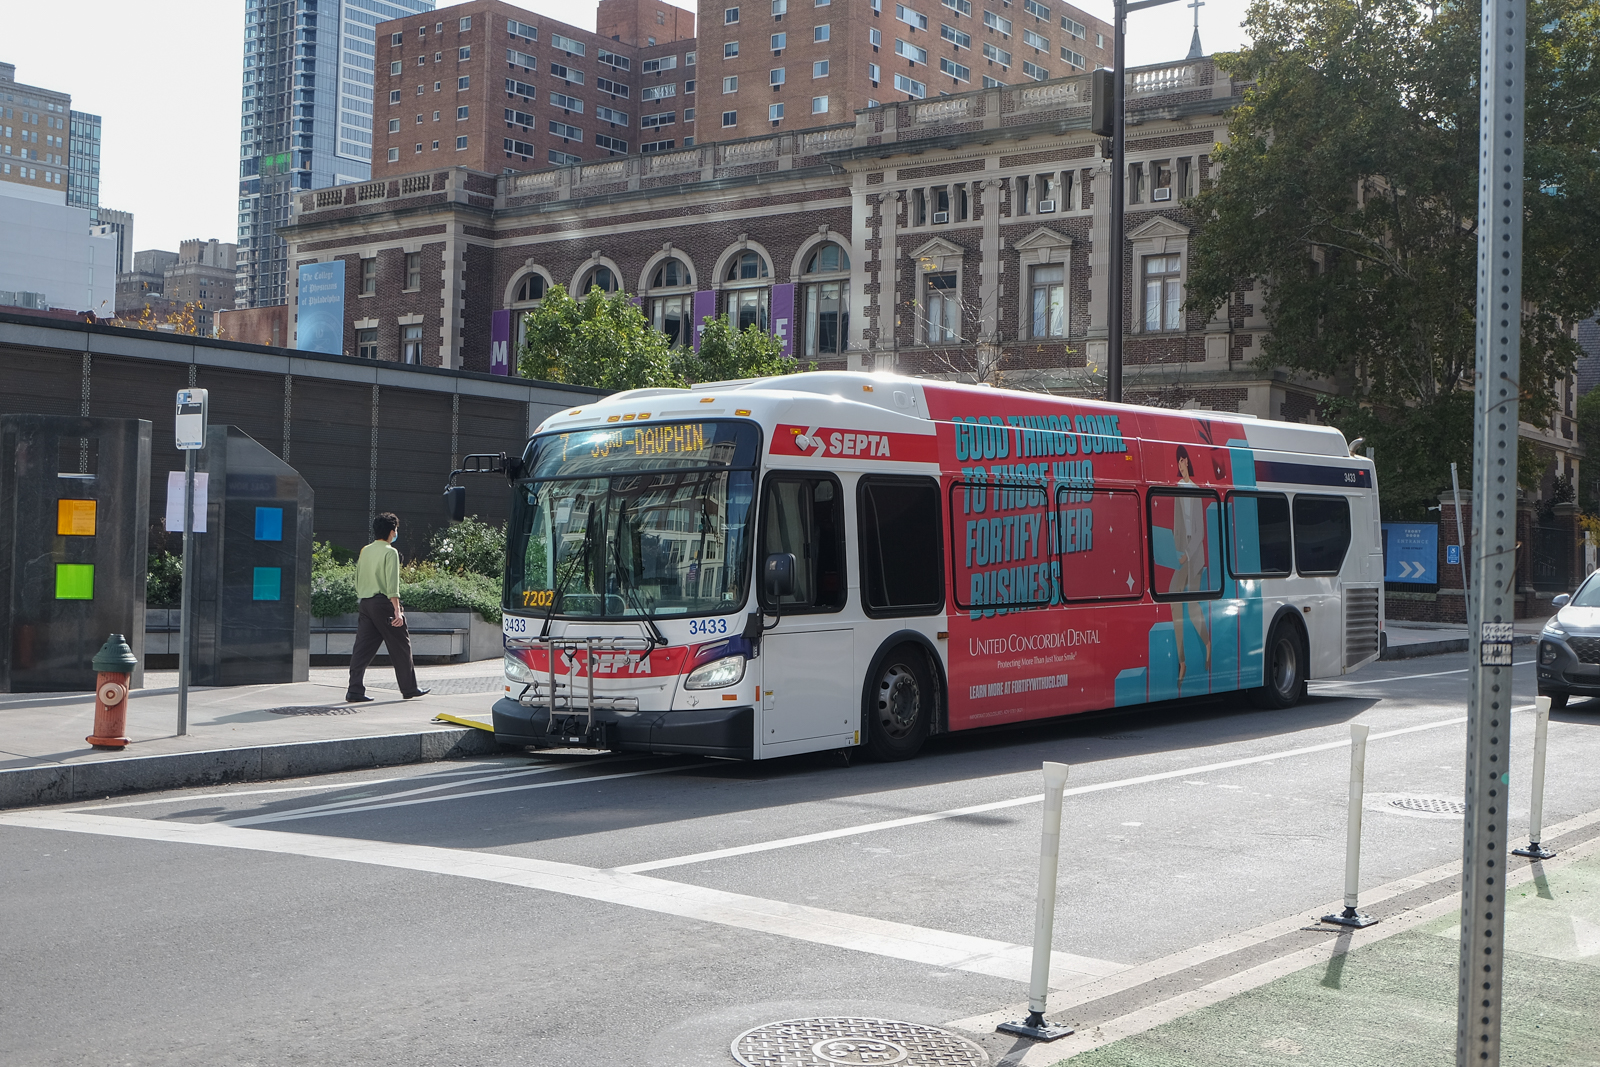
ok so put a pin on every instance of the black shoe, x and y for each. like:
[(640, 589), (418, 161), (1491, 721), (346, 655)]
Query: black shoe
[(418, 693), (348, 699)]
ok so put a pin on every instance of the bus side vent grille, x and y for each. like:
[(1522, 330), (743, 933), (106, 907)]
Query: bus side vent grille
[(1360, 624)]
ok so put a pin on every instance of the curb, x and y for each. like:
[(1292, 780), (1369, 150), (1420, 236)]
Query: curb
[(1418, 649), (61, 782)]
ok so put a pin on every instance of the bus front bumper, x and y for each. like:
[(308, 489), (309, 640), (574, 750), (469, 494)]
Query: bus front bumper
[(726, 732)]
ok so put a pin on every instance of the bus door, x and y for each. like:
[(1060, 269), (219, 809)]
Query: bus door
[(808, 669)]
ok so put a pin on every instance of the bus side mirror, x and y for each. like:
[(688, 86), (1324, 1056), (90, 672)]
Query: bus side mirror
[(1561, 601), (455, 502), (778, 576)]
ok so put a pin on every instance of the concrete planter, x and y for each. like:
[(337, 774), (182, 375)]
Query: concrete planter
[(454, 636)]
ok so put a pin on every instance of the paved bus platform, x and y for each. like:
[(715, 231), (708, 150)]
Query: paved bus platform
[(239, 733)]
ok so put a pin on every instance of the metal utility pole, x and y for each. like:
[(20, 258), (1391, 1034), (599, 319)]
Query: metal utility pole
[(1119, 194), (1494, 522), (189, 426)]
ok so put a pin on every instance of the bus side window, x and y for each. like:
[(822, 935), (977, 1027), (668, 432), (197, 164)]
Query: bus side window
[(902, 565), (804, 514), (1259, 538), (1185, 544), (1100, 546), (1321, 533)]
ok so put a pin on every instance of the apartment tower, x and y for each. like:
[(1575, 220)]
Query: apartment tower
[(306, 119)]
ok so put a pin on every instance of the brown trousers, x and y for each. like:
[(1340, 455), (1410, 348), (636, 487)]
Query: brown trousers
[(373, 628)]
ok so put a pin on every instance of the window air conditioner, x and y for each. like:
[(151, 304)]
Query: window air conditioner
[(1161, 194), (941, 216), (1047, 206)]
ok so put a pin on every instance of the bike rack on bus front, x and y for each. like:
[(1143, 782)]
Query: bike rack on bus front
[(569, 647)]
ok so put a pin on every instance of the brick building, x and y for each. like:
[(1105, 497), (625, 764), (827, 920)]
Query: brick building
[(792, 64), (492, 87), (961, 234)]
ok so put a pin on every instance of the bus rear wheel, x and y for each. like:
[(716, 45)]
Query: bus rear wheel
[(1284, 669), (899, 704)]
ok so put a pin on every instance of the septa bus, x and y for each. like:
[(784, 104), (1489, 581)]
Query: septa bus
[(819, 561)]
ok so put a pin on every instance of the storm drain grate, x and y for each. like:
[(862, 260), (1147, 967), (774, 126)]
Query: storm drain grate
[(1431, 805), (313, 709), (831, 1041)]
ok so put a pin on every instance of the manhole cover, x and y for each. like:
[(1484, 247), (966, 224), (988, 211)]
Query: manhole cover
[(832, 1041), (1431, 805), (313, 709)]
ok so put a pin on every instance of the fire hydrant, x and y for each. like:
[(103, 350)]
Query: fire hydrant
[(113, 663)]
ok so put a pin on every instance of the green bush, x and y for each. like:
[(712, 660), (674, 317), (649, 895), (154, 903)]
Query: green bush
[(163, 580), (423, 587), (471, 545)]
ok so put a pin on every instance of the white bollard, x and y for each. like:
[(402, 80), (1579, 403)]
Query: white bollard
[(1044, 916), (1541, 733), (1352, 838)]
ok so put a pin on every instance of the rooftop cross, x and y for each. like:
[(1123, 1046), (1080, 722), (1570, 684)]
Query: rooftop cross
[(1195, 51)]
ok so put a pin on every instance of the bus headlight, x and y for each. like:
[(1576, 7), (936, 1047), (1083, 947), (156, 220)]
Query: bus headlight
[(518, 671), (729, 670)]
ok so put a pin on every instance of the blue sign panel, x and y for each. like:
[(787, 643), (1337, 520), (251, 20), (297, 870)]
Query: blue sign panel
[(1411, 552), (319, 324), (1452, 555)]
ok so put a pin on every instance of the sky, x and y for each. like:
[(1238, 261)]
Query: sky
[(164, 75)]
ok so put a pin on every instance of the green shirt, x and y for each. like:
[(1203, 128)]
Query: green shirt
[(378, 571)]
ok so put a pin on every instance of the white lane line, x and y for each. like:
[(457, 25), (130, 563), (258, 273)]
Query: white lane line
[(1014, 802), (1400, 678), (362, 806), (171, 799), (934, 948), (331, 806)]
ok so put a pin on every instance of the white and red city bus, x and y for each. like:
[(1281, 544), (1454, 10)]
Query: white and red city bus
[(761, 568)]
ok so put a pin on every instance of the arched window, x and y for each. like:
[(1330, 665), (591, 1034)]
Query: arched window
[(672, 300), (827, 258), (825, 301), (530, 289), (746, 303), (669, 274), (601, 278), (747, 267)]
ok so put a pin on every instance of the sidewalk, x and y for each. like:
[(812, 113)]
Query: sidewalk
[(1392, 1003), (1408, 640), (241, 733)]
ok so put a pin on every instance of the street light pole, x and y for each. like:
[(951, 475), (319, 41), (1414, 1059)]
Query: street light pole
[(1119, 195)]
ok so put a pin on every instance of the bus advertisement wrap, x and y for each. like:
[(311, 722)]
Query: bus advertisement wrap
[(1046, 512)]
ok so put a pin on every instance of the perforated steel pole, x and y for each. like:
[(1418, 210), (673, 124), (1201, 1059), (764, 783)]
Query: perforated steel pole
[(1494, 521)]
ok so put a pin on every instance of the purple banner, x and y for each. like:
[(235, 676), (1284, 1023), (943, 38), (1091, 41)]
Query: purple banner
[(500, 342), (705, 306), (783, 316)]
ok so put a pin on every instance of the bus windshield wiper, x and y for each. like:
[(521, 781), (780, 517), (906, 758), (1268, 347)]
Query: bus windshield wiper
[(654, 634)]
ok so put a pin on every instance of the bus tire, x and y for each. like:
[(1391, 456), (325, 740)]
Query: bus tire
[(1284, 667), (900, 703)]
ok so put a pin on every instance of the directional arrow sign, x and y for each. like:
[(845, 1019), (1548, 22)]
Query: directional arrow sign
[(1411, 552)]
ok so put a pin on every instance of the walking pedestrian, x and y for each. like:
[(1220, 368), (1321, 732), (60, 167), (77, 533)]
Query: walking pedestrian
[(382, 621)]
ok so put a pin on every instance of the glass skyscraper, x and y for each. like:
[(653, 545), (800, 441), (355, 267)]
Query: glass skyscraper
[(305, 122), (83, 169)]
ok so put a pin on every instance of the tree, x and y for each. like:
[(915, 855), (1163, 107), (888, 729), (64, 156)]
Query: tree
[(727, 354), (600, 341), (1349, 188)]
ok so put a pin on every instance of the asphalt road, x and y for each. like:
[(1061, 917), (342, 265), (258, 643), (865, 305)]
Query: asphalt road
[(471, 913)]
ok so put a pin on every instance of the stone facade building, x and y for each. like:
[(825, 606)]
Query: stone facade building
[(964, 234)]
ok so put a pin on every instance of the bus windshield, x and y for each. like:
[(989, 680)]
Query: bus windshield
[(644, 521)]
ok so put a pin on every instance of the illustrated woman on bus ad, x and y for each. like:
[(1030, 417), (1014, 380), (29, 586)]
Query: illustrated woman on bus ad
[(1189, 538)]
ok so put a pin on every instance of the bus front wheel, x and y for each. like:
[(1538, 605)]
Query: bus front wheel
[(899, 705), (1284, 668)]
